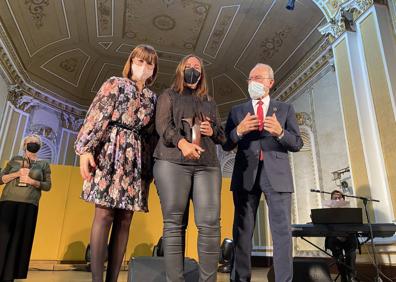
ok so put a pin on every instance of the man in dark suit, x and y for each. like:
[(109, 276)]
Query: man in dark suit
[(264, 130)]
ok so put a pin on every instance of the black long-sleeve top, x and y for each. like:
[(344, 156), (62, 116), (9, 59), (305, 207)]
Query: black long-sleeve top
[(172, 108)]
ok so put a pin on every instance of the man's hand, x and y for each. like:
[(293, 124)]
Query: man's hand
[(248, 124), (272, 125)]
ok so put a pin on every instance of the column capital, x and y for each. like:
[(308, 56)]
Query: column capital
[(341, 15)]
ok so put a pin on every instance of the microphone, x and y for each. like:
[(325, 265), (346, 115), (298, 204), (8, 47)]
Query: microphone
[(314, 190), (290, 4)]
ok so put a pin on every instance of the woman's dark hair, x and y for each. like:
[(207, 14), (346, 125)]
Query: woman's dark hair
[(178, 84)]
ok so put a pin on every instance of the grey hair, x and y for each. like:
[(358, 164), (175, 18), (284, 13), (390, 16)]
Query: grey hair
[(268, 67), (30, 136)]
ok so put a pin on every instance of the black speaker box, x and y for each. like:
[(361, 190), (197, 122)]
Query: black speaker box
[(152, 269), (307, 270)]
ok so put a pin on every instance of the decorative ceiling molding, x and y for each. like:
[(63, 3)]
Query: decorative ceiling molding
[(71, 122), (334, 29), (271, 46), (15, 72), (104, 12), (36, 9), (23, 101), (298, 46), (315, 62), (105, 45), (276, 37), (168, 21), (102, 34), (251, 39), (17, 97), (162, 55), (33, 35), (95, 86), (43, 95), (335, 14), (68, 65), (221, 27), (225, 88)]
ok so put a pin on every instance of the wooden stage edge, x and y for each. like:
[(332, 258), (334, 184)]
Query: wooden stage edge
[(257, 261), (365, 269)]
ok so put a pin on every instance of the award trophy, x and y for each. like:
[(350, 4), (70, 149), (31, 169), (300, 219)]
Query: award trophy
[(25, 164), (195, 125)]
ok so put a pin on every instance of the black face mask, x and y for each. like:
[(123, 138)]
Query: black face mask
[(32, 147), (191, 76)]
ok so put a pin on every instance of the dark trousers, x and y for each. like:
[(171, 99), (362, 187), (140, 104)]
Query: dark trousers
[(279, 209), (176, 185), (344, 251), (17, 227)]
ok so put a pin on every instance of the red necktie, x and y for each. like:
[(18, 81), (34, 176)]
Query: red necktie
[(260, 115)]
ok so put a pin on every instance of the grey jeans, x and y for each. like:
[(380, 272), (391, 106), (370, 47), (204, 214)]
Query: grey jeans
[(176, 185)]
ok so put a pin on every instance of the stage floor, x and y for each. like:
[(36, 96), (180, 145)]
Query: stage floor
[(259, 274)]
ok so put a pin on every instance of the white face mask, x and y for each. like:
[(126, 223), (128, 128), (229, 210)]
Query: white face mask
[(141, 73), (257, 90)]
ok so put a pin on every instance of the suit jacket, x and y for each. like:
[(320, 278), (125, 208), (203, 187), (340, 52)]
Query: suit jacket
[(276, 158)]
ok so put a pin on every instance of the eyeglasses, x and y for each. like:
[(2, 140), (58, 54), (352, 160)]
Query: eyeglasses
[(140, 62), (258, 78)]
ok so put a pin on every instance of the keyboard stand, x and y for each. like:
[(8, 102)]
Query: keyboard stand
[(336, 260)]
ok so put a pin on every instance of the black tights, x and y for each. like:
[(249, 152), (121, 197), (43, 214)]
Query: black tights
[(103, 220)]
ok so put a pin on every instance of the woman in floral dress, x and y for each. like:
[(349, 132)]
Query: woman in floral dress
[(115, 145)]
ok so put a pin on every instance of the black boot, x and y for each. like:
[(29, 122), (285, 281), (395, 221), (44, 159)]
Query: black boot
[(350, 260)]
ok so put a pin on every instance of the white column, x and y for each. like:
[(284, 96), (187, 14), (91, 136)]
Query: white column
[(379, 186)]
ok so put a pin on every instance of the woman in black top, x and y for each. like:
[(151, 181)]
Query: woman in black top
[(187, 167)]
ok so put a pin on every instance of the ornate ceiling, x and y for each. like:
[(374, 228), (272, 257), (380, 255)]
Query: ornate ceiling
[(69, 47)]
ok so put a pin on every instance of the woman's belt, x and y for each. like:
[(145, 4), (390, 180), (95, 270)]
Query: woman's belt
[(124, 126)]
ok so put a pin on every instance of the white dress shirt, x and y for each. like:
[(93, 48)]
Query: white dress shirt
[(266, 102)]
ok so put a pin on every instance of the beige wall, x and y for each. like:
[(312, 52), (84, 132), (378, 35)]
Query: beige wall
[(381, 97), (11, 132), (66, 154), (3, 96), (365, 81), (351, 123)]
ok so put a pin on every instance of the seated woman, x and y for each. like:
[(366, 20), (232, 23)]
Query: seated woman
[(343, 249), (24, 178)]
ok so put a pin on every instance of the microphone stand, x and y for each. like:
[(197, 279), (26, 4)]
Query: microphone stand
[(365, 202), (373, 250)]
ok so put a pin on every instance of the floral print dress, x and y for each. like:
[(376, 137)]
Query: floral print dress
[(119, 131)]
